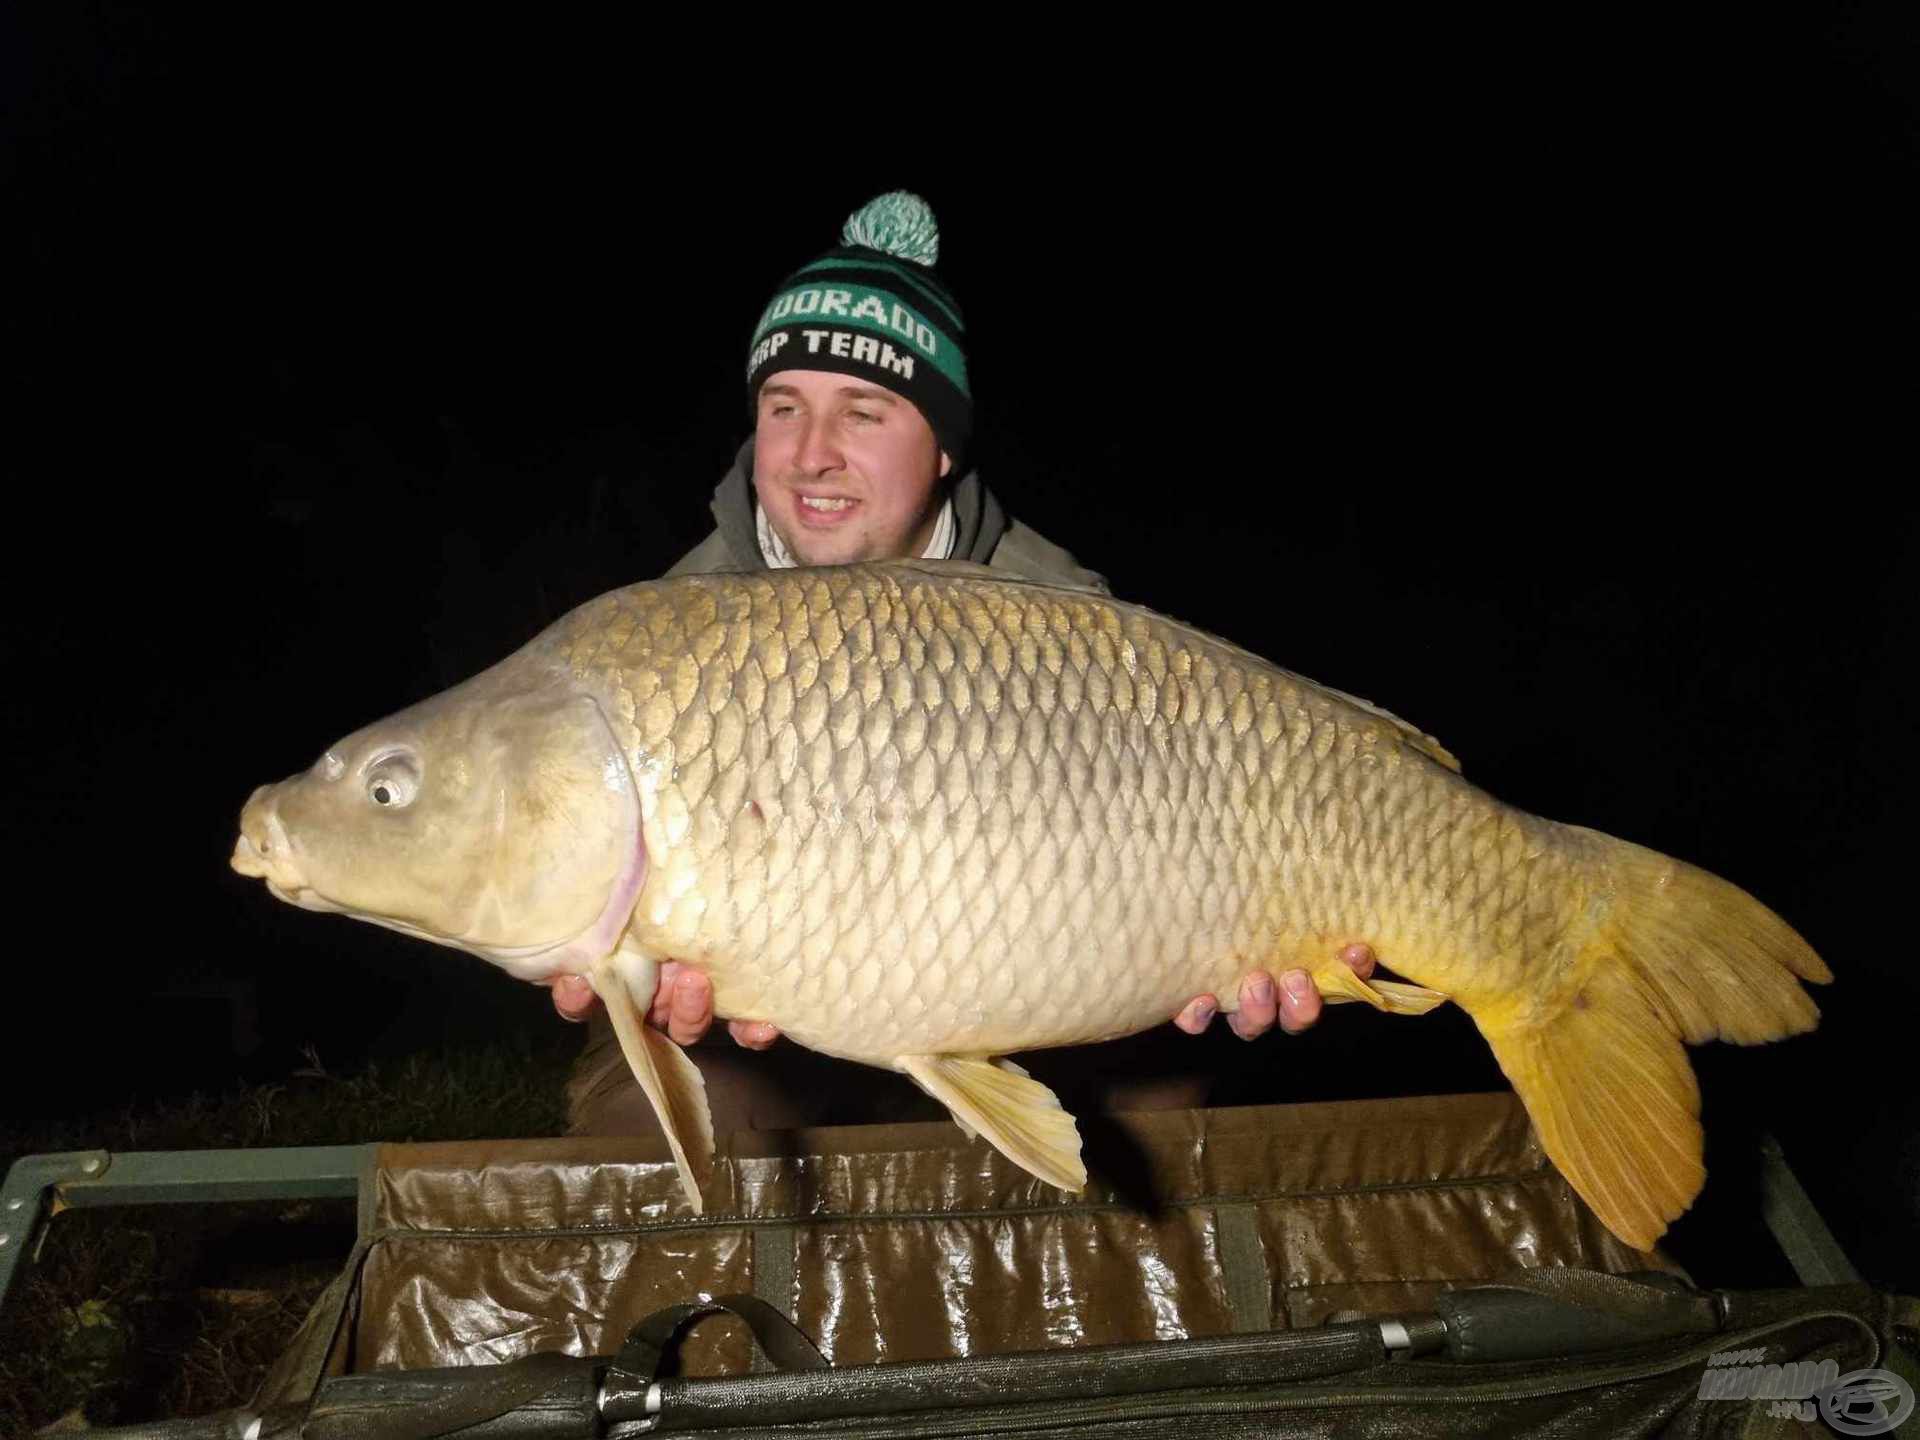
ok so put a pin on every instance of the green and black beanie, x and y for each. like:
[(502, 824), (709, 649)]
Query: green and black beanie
[(874, 309)]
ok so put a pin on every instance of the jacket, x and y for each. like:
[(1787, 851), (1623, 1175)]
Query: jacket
[(985, 534)]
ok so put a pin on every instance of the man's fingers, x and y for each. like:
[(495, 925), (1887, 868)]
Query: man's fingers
[(690, 1011), (573, 997), (1197, 1014), (682, 1005), (1295, 1002), (1299, 1001), (754, 1034), (661, 1007), (1257, 1008)]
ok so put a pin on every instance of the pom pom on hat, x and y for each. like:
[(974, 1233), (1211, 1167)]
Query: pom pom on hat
[(899, 224)]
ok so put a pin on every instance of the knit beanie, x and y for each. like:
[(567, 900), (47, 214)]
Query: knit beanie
[(873, 308)]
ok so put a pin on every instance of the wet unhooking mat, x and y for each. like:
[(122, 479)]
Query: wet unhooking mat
[(1226, 1274)]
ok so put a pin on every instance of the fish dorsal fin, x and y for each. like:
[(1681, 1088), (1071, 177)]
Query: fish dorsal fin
[(1018, 1116)]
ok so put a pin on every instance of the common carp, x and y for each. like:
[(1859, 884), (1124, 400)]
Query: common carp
[(921, 815)]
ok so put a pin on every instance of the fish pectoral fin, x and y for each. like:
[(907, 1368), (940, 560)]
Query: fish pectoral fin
[(1338, 985), (672, 1082), (1018, 1116)]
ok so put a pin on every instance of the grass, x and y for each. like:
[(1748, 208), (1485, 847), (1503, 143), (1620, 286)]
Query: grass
[(149, 1312)]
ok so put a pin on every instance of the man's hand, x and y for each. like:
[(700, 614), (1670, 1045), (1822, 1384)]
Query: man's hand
[(1297, 1007), (682, 1006)]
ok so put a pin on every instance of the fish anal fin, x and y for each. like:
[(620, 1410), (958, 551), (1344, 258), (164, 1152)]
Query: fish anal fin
[(671, 1081), (1615, 1104), (1018, 1116), (1338, 985)]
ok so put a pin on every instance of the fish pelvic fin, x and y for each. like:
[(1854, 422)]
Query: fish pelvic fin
[(1679, 955), (672, 1082), (1018, 1116), (1338, 985)]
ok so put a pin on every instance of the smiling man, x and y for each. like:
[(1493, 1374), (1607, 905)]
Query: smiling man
[(862, 412), (857, 378), (829, 452)]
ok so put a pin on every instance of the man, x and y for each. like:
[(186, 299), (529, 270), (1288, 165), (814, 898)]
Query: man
[(862, 412)]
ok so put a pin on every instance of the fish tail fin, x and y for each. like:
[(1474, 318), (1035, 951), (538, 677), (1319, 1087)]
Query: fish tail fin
[(1678, 955)]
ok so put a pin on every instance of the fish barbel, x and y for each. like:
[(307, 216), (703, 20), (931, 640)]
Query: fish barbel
[(921, 815)]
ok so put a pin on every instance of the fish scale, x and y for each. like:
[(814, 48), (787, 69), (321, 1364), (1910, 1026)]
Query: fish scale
[(1199, 919), (922, 815)]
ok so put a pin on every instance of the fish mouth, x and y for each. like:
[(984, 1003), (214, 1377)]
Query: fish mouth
[(263, 851), (249, 862)]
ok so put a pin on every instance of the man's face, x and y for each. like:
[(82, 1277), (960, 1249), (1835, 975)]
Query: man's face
[(845, 470)]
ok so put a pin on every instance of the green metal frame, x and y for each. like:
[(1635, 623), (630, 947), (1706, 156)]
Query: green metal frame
[(84, 1178), (1797, 1228)]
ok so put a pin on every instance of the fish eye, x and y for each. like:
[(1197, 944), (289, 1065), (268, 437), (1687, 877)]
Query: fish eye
[(392, 782)]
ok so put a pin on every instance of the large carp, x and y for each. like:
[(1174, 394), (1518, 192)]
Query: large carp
[(921, 815)]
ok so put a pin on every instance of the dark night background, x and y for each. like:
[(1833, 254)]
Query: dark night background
[(1553, 388)]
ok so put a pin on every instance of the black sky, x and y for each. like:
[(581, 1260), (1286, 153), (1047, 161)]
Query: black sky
[(1553, 387)]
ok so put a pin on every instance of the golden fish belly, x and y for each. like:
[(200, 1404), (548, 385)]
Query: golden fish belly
[(898, 814)]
